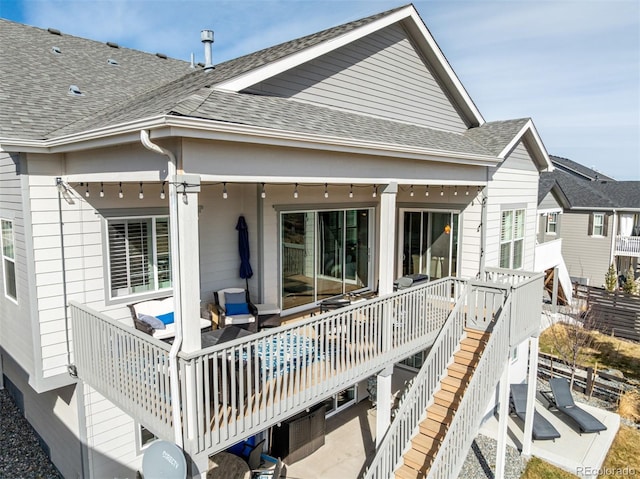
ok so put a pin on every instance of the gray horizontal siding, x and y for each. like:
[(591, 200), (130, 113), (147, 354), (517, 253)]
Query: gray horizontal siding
[(15, 320), (585, 256), (381, 74)]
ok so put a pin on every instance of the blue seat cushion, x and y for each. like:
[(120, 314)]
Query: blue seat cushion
[(166, 318), (239, 308)]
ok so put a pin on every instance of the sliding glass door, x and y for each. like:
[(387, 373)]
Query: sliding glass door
[(323, 254), (429, 243)]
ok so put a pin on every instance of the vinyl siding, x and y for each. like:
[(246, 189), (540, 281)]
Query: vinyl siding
[(54, 416), (381, 74), (15, 319), (513, 185), (111, 438), (585, 256)]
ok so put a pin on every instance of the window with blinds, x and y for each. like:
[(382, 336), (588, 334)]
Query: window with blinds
[(512, 239), (8, 260), (139, 255)]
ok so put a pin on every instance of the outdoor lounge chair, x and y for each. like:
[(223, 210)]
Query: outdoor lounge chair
[(234, 307), (563, 401), (542, 428)]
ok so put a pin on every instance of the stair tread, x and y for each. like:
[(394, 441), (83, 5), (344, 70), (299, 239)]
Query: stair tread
[(406, 472)]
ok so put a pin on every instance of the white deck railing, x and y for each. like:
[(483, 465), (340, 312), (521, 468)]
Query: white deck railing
[(464, 427), (233, 390), (484, 302), (126, 366), (627, 246)]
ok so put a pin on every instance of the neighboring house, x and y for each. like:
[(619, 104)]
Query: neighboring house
[(356, 157), (596, 217)]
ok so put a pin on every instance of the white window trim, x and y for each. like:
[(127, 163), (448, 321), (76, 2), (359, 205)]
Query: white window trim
[(10, 259), (141, 294), (549, 216), (513, 239), (593, 228)]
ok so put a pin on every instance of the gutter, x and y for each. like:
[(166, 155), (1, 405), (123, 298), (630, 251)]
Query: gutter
[(220, 130), (175, 266)]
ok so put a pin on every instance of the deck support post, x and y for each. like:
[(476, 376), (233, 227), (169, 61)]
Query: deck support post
[(386, 254), (383, 403), (503, 415), (531, 396), (554, 291)]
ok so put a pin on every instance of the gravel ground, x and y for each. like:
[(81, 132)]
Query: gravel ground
[(20, 453)]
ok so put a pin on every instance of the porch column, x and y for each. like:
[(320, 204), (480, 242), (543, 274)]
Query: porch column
[(188, 187), (531, 396), (503, 419), (383, 403), (386, 254), (554, 292)]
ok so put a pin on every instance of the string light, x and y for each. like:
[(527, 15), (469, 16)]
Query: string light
[(441, 190), (455, 191), (264, 193), (185, 199), (411, 191), (375, 191), (86, 192), (141, 193), (162, 195), (225, 195), (351, 191), (120, 193), (295, 191), (101, 189), (326, 191), (426, 191), (466, 193)]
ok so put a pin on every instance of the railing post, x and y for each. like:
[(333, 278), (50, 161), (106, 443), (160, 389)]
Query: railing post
[(383, 403), (531, 395), (503, 416)]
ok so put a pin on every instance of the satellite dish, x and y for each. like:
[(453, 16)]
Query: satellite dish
[(164, 460)]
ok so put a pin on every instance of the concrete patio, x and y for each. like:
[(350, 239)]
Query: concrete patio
[(579, 454)]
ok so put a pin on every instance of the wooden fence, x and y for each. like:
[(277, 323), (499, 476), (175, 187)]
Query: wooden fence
[(586, 380), (617, 314)]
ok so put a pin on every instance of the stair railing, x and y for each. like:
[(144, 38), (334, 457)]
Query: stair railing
[(463, 428), (420, 395)]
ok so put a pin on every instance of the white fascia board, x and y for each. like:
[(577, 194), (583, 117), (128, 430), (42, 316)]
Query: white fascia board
[(209, 129), (100, 137), (451, 76), (276, 67), (175, 126), (540, 153)]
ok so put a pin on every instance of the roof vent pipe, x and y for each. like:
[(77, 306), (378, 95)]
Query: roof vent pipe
[(206, 37)]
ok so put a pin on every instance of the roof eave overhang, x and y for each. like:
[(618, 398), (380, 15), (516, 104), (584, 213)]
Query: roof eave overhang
[(530, 135), (412, 22), (186, 127)]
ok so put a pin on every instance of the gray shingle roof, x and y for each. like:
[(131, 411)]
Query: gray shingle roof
[(576, 168), (35, 81), (496, 135), (584, 193), (191, 95)]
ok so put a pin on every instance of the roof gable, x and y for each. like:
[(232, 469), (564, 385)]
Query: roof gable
[(340, 36), (381, 74)]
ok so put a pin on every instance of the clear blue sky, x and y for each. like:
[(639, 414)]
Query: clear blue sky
[(573, 66)]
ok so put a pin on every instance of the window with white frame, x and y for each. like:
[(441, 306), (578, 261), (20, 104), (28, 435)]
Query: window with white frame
[(598, 224), (139, 255), (8, 260), (552, 223), (512, 239)]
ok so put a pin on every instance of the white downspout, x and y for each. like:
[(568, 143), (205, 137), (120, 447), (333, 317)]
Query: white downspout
[(175, 266), (614, 234)]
